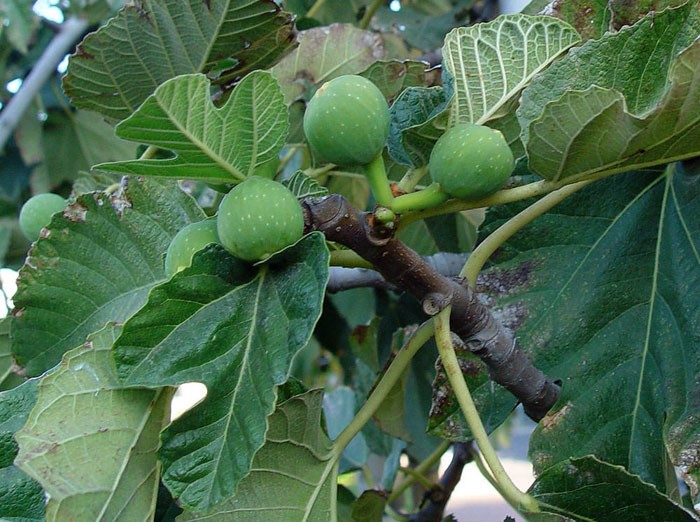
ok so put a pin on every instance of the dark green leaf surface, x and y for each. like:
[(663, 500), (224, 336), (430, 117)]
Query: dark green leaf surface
[(91, 443), (21, 498), (116, 68), (237, 336), (8, 379), (292, 477), (603, 294), (219, 145), (95, 265), (587, 489)]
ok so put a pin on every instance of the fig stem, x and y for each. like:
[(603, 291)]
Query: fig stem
[(430, 196), (378, 181), (506, 487), (411, 178)]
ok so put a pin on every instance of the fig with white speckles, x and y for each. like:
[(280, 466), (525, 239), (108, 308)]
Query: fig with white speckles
[(471, 161), (347, 121), (258, 218), (187, 242)]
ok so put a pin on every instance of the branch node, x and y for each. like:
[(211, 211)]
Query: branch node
[(435, 302)]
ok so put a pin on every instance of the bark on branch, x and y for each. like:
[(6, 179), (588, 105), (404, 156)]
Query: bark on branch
[(471, 320)]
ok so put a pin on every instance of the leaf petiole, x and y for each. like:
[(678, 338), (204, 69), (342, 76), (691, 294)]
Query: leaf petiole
[(378, 181)]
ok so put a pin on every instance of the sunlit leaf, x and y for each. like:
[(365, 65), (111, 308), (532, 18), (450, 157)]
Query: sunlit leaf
[(91, 443), (219, 145)]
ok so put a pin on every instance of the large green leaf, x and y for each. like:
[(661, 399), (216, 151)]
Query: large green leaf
[(642, 111), (492, 62), (21, 498), (323, 54), (220, 145), (587, 489), (116, 68), (91, 443), (602, 292), (586, 132), (95, 263), (7, 378), (236, 335), (292, 477)]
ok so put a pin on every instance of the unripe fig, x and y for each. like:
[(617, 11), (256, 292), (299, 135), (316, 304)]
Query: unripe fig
[(347, 121), (471, 161), (258, 218), (187, 242), (37, 211)]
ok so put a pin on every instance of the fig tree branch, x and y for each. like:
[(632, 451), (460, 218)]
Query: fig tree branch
[(471, 320)]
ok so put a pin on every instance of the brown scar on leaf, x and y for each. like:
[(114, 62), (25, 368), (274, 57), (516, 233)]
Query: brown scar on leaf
[(75, 212), (551, 420)]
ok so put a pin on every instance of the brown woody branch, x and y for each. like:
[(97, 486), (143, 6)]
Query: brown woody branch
[(471, 320)]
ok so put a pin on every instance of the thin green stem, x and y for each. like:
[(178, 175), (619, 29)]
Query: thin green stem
[(476, 456), (314, 173), (378, 181), (486, 248), (430, 196), (369, 14), (383, 387), (348, 259), (412, 177), (149, 153), (421, 468), (418, 477), (315, 8), (505, 485)]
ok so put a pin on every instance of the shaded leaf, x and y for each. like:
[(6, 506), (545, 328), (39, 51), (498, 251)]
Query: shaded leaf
[(292, 476), (492, 62), (116, 68), (85, 420), (565, 142), (369, 507), (7, 378), (339, 408), (602, 293), (219, 145), (21, 498), (19, 22), (392, 77), (589, 489), (95, 263), (325, 53), (212, 323)]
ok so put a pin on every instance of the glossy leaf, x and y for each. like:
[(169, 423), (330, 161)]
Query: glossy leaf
[(292, 477), (325, 53), (213, 324), (219, 145), (492, 62), (589, 489), (116, 68), (21, 498), (95, 263), (85, 420)]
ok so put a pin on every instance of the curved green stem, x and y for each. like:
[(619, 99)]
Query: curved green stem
[(149, 153), (506, 487), (315, 8), (369, 13), (378, 181), (383, 388), (421, 468), (486, 248), (411, 179), (348, 259), (430, 196), (418, 477)]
